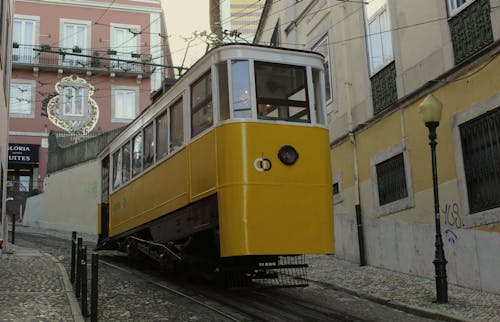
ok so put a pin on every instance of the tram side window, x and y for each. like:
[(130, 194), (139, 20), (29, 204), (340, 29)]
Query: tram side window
[(223, 91), (126, 162), (149, 146), (176, 126), (319, 103), (162, 135), (137, 154), (117, 169), (240, 82), (281, 92), (201, 105)]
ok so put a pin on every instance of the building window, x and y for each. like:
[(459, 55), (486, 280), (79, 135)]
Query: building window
[(476, 141), (75, 33), (471, 29), (201, 105), (73, 101), (176, 125), (22, 98), (480, 138), (149, 146), (338, 190), (391, 180), (124, 104), (323, 48), (379, 40), (125, 40), (24, 35), (455, 6)]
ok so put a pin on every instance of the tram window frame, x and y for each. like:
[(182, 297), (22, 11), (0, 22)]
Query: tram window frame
[(176, 126), (137, 155), (240, 85), (162, 135), (223, 81), (117, 168), (203, 104), (148, 150), (282, 106), (126, 170), (319, 95)]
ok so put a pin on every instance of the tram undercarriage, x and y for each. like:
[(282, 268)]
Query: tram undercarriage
[(188, 241)]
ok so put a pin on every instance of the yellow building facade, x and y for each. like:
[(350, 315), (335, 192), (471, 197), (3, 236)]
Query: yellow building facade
[(381, 63)]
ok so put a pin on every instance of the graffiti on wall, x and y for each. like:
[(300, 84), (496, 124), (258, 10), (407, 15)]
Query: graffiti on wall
[(452, 218), (451, 214)]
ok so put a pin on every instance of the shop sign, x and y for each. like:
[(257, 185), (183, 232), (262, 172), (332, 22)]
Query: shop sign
[(23, 153)]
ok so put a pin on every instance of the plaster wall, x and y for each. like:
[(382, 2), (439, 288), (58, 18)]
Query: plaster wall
[(69, 201), (408, 247)]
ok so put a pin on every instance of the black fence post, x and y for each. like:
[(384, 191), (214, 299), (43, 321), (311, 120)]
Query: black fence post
[(13, 229), (94, 287), (78, 282), (73, 257), (84, 281)]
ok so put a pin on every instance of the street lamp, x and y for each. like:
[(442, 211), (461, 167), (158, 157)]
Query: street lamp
[(430, 109)]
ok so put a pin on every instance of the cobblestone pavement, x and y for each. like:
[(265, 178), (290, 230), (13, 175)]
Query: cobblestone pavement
[(34, 287), (405, 292)]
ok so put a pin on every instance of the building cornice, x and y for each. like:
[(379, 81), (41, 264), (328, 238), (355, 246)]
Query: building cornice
[(102, 5)]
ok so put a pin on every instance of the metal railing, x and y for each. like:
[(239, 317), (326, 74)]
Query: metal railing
[(25, 54)]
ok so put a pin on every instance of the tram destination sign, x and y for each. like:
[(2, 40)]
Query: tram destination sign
[(23, 153)]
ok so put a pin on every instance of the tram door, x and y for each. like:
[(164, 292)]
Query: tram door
[(105, 198)]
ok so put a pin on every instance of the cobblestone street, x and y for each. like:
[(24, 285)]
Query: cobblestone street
[(126, 296)]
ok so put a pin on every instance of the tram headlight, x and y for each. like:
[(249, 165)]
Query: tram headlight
[(288, 155)]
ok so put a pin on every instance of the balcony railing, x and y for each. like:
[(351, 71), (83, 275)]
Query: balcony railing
[(471, 30), (84, 58)]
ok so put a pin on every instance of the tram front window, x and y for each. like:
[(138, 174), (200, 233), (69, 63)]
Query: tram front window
[(282, 92)]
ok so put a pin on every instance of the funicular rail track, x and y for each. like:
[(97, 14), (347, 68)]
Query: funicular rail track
[(236, 305)]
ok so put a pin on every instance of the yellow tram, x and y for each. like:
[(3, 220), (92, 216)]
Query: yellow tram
[(229, 165)]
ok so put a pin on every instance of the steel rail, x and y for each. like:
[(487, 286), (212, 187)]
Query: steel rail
[(162, 285)]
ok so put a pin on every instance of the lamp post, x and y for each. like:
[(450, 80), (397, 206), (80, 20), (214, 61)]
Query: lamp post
[(430, 109)]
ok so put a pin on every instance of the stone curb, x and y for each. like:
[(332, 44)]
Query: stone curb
[(68, 288)]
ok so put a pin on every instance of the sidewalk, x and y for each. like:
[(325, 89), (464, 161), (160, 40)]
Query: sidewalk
[(34, 286), (405, 292)]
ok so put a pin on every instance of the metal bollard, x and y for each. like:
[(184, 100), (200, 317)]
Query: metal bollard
[(94, 287), (73, 257), (78, 281), (83, 264), (13, 229)]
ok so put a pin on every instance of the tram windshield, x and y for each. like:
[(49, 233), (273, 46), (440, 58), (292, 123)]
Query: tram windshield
[(281, 92)]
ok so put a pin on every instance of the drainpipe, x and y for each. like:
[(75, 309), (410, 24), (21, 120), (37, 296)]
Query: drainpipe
[(352, 139), (357, 202)]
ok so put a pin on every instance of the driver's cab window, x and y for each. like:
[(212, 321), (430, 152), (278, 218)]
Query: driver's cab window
[(282, 92)]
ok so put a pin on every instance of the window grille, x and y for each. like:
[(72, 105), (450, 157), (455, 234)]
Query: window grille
[(391, 180), (336, 188), (480, 139)]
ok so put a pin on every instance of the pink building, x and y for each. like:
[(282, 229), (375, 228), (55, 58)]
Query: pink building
[(80, 68)]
